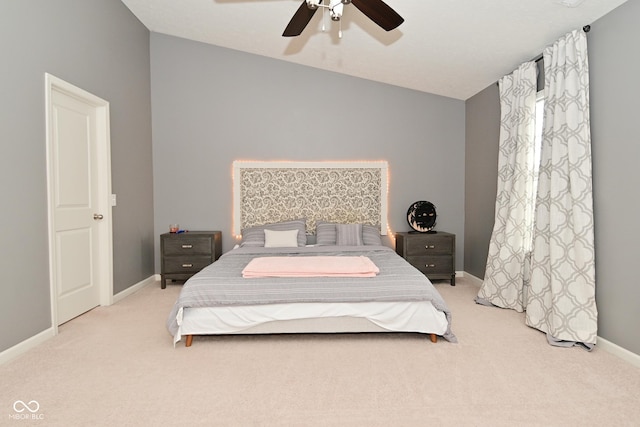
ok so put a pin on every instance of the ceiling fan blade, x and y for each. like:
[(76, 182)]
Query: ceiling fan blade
[(380, 13), (299, 21)]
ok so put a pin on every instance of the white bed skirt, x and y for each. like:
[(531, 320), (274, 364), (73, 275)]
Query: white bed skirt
[(419, 317)]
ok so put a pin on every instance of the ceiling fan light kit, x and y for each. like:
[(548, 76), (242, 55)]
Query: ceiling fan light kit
[(376, 10)]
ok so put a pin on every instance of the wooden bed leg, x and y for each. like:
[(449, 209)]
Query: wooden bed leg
[(434, 337), (189, 341)]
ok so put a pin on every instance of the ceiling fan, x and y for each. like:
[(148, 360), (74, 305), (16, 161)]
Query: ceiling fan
[(376, 10)]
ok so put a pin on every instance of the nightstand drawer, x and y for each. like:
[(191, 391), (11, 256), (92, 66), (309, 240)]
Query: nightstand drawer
[(187, 264), (426, 245), (434, 254), (183, 255), (188, 246), (432, 265)]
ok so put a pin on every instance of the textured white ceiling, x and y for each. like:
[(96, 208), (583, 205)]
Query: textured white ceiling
[(453, 48)]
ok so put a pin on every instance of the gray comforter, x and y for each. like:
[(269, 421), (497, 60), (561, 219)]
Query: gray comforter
[(222, 284)]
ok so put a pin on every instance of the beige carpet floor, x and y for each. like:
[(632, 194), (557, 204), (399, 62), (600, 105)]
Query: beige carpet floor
[(116, 366)]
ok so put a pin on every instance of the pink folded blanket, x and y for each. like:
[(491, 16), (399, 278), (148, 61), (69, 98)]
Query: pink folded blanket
[(311, 266)]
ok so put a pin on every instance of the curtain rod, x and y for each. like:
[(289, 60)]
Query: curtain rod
[(586, 29)]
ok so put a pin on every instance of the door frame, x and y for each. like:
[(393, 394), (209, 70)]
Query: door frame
[(105, 230)]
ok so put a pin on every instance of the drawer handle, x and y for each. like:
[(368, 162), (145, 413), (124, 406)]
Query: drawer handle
[(430, 265), (187, 246), (430, 246), (187, 265)]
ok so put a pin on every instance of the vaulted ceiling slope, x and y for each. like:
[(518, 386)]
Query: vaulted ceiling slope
[(453, 48)]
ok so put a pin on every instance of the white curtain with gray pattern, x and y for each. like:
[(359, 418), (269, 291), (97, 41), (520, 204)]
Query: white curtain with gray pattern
[(507, 261), (561, 295)]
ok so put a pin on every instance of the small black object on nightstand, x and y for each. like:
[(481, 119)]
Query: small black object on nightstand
[(421, 216)]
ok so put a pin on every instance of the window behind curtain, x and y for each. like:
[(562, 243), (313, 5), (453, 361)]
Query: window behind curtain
[(537, 147)]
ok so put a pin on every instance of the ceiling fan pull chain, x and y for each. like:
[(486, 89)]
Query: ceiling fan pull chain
[(340, 29), (324, 16)]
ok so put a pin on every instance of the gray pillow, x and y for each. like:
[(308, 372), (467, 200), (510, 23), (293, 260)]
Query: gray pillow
[(325, 233), (349, 235), (371, 235), (254, 236)]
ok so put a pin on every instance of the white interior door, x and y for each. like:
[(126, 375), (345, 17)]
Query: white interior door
[(78, 212)]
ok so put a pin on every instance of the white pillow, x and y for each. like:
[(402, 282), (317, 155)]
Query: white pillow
[(280, 239), (254, 236)]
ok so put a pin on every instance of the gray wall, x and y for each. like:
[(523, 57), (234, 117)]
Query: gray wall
[(615, 90), (481, 176), (212, 106), (101, 47)]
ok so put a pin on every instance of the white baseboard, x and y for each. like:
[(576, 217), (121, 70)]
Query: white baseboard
[(602, 343), (135, 288), (26, 345), (473, 279), (32, 342), (621, 352)]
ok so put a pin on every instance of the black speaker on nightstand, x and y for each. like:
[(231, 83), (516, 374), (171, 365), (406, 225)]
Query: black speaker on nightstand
[(421, 217)]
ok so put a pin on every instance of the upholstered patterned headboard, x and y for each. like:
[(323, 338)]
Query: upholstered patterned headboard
[(345, 192)]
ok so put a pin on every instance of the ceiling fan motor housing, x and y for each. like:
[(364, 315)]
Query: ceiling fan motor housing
[(376, 10)]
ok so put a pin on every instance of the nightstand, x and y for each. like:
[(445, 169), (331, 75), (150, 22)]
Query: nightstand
[(184, 254), (434, 254)]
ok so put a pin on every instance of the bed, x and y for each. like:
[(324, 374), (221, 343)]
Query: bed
[(219, 300), (343, 205)]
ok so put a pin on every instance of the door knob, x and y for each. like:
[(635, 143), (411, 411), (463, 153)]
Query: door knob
[(97, 216)]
